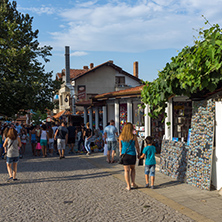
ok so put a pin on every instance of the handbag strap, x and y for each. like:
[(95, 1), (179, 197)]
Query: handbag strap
[(10, 145)]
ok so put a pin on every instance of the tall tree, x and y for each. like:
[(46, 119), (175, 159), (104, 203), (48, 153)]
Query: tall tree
[(24, 84)]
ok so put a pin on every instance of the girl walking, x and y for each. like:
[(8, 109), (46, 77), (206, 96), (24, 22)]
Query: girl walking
[(11, 145), (23, 137), (44, 140), (128, 146)]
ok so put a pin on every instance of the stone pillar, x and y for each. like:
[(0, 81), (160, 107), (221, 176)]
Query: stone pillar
[(91, 118), (85, 114), (169, 119), (96, 117), (104, 117), (117, 115), (129, 111), (147, 121)]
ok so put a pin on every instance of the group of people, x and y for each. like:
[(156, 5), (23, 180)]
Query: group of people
[(14, 139), (129, 148)]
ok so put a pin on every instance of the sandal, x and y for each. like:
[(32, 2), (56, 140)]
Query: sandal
[(9, 179), (134, 186)]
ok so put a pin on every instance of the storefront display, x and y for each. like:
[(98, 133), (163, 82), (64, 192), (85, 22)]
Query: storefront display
[(123, 115), (157, 131), (192, 162), (182, 113)]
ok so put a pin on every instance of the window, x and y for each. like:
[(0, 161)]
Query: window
[(120, 80), (182, 113)]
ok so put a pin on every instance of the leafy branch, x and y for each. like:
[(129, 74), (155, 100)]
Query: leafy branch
[(194, 70)]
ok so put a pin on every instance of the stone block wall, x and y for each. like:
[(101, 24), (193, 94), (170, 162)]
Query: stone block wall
[(193, 163)]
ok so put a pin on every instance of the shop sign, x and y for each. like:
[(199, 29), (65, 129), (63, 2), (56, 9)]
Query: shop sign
[(81, 92)]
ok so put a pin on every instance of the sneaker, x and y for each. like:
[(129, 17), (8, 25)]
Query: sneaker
[(147, 185), (88, 154), (15, 179)]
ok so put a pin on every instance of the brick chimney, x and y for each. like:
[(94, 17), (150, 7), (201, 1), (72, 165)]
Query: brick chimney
[(91, 65), (135, 69), (85, 67)]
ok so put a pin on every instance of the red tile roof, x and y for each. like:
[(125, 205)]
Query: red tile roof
[(62, 113), (131, 91)]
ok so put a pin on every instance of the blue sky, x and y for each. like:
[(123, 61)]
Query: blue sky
[(150, 32)]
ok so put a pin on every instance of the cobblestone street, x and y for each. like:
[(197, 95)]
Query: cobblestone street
[(72, 189)]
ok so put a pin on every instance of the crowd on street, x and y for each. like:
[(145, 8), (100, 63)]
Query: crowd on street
[(51, 139)]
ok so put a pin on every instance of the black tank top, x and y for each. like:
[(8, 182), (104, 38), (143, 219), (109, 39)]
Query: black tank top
[(88, 132)]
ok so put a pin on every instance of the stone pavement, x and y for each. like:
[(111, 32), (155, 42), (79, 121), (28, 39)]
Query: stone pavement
[(200, 205), (75, 189)]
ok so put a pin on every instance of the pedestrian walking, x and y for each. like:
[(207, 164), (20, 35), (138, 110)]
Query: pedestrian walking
[(44, 140), (110, 133), (54, 128), (11, 145), (81, 138), (62, 139), (33, 140), (50, 141), (71, 137), (128, 146), (23, 137), (150, 162), (87, 135)]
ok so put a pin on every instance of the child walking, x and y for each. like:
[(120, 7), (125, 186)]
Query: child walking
[(150, 163)]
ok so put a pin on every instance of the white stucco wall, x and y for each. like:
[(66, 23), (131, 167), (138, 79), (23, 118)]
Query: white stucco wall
[(100, 81), (128, 81), (217, 159)]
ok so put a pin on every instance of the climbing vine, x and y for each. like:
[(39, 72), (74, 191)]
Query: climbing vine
[(194, 71)]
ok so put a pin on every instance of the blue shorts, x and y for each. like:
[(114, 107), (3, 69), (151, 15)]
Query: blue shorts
[(33, 141), (150, 169), (10, 160), (112, 145)]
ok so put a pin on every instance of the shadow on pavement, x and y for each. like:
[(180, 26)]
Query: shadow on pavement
[(57, 179), (168, 184)]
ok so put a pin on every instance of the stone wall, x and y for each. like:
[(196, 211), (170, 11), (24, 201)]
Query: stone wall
[(173, 159), (193, 163), (200, 152)]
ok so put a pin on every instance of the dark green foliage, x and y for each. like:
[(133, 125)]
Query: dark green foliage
[(23, 80)]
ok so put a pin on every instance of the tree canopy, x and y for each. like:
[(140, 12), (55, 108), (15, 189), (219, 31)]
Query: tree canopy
[(194, 71), (24, 82)]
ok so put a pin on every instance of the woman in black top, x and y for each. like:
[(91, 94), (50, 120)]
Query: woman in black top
[(87, 135)]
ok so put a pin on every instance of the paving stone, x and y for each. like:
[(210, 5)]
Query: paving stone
[(72, 189)]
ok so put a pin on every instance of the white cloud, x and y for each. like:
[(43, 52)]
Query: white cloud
[(78, 53), (39, 10), (120, 26)]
